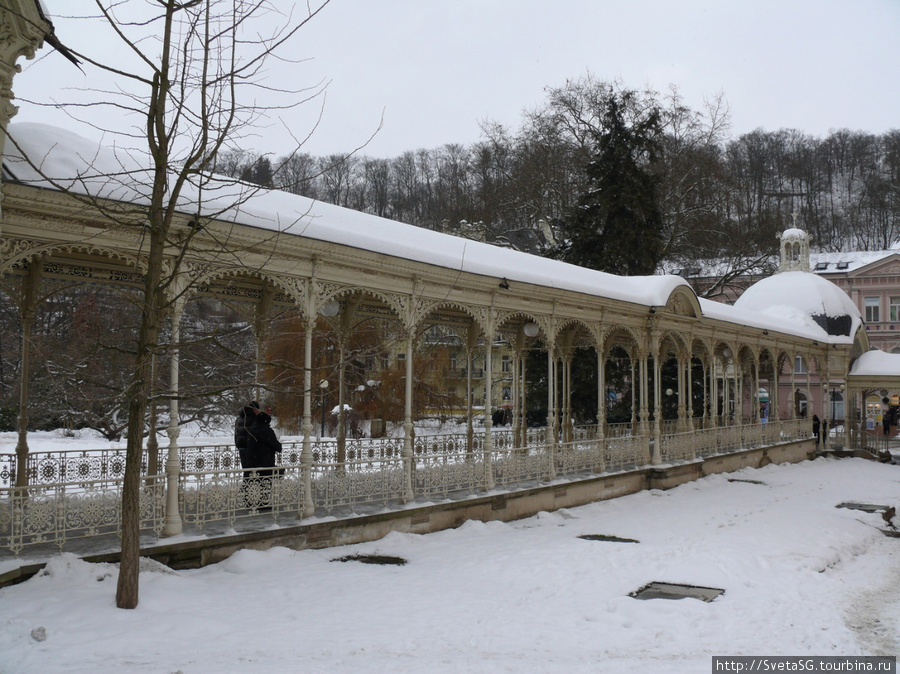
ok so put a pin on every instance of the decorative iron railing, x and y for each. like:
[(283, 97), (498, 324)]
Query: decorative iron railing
[(700, 444), (619, 430), (221, 498), (215, 496), (56, 513), (67, 466)]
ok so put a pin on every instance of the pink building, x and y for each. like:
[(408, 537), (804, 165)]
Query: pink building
[(870, 280)]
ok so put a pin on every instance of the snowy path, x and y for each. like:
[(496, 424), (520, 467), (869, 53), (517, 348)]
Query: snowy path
[(801, 577), (875, 613)]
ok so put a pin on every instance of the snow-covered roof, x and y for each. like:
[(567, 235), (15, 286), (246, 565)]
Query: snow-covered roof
[(87, 167), (876, 363), (805, 298), (824, 264), (793, 233), (843, 262)]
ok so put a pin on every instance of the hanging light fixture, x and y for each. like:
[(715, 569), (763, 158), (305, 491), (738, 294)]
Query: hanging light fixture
[(531, 329), (330, 309)]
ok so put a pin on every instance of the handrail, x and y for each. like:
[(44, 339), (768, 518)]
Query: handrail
[(213, 493)]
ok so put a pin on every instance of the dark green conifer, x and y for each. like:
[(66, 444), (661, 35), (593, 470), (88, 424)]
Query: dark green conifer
[(616, 224)]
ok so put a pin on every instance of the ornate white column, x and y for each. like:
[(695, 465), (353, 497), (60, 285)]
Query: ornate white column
[(601, 393), (471, 340), (342, 414), (488, 403), (408, 494), (551, 407), (635, 402), (308, 507), (754, 398), (706, 394), (690, 393), (726, 394), (27, 308), (516, 388), (551, 395), (682, 392), (643, 404), (794, 401), (523, 403), (643, 400), (809, 399), (568, 432), (656, 456), (774, 398), (173, 524)]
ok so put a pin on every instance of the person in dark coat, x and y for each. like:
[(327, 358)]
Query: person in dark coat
[(262, 446), (244, 421), (815, 429)]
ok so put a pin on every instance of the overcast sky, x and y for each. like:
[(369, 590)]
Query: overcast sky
[(435, 68)]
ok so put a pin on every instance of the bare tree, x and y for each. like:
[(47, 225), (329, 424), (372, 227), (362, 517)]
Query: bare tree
[(186, 70)]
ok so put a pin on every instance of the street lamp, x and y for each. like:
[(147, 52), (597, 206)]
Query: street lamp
[(323, 387), (833, 402)]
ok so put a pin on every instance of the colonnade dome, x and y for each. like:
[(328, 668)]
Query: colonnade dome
[(797, 294)]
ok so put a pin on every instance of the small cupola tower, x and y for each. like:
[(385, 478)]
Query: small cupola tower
[(794, 250)]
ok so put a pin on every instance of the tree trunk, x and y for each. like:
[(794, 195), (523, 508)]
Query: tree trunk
[(138, 401)]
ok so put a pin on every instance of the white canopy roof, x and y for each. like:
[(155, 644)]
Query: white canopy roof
[(60, 158)]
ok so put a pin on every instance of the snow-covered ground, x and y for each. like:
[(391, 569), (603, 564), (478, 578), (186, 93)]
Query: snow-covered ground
[(801, 577)]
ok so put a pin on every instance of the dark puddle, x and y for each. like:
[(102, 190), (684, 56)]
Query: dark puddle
[(658, 590), (608, 539), (372, 559)]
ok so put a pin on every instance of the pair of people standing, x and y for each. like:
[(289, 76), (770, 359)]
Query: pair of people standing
[(257, 446), (820, 431)]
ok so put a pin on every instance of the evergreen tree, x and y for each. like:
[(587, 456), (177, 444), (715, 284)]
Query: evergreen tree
[(259, 173), (616, 225)]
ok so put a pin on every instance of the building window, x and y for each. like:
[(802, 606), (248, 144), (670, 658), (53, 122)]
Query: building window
[(895, 309), (401, 358), (506, 364), (799, 365), (821, 266), (800, 407), (873, 309)]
